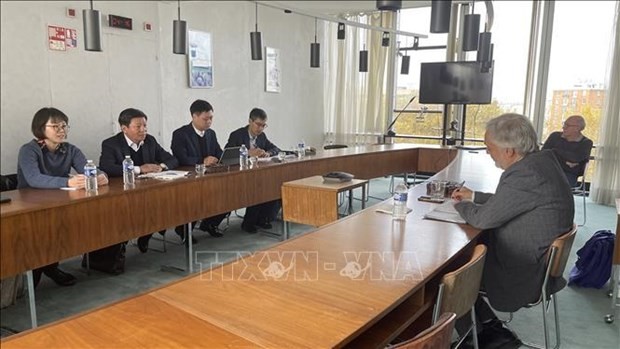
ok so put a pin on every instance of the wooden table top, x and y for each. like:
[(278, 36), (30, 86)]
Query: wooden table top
[(318, 183), (321, 289)]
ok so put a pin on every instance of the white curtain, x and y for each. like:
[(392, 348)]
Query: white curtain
[(606, 183), (355, 102)]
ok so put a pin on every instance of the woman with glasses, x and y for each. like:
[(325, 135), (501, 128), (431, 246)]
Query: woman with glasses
[(46, 163)]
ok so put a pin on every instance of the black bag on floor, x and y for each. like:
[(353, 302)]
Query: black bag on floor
[(109, 260)]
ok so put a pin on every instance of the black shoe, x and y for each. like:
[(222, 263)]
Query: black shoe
[(248, 228), (264, 225), (60, 277), (213, 231), (143, 243), (496, 337), (180, 232)]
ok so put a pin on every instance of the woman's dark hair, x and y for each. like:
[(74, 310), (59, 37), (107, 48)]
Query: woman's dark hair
[(124, 119), (42, 116)]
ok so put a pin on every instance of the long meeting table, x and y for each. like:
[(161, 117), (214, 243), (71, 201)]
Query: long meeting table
[(358, 282)]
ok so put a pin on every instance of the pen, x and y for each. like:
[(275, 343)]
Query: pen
[(460, 185)]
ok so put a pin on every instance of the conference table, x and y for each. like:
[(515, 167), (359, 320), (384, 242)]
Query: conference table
[(357, 282)]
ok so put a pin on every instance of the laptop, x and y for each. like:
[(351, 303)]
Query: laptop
[(230, 156)]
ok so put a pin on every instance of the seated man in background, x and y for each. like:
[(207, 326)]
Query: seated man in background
[(571, 147), (147, 155), (531, 207), (196, 143), (258, 145), (46, 163)]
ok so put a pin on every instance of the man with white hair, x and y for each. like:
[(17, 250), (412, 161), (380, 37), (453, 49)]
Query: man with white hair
[(531, 207), (571, 147)]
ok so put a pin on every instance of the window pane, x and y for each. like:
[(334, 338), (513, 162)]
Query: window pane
[(510, 35), (421, 121), (577, 68)]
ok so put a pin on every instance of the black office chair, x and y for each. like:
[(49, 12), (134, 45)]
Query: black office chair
[(580, 190)]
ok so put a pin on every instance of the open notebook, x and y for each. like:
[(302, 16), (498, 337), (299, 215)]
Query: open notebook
[(445, 212)]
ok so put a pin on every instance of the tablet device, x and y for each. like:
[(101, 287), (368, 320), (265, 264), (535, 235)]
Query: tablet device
[(230, 156)]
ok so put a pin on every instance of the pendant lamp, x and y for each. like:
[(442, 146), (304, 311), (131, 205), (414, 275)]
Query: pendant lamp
[(256, 44), (440, 16), (179, 33), (92, 29), (315, 50)]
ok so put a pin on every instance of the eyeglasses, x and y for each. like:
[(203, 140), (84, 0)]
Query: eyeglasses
[(260, 124), (565, 125), (59, 127)]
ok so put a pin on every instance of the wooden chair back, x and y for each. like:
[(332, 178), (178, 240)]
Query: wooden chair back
[(438, 336)]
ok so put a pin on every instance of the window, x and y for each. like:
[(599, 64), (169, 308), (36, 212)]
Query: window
[(578, 64), (510, 36)]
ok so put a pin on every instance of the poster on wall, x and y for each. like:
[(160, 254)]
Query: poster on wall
[(60, 38), (200, 59), (56, 38), (272, 70)]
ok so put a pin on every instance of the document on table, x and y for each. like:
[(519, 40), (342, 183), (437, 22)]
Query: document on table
[(445, 212), (165, 175)]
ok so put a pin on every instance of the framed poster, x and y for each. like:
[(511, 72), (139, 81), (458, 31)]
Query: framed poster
[(200, 59), (272, 70)]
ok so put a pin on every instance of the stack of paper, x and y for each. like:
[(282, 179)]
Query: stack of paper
[(446, 212), (165, 175)]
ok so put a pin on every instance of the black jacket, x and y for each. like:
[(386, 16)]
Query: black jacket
[(241, 136), (186, 148), (115, 148)]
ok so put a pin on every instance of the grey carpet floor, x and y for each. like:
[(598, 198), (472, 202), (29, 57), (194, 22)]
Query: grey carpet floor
[(581, 310)]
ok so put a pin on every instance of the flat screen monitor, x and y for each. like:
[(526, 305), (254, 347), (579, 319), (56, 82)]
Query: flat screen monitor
[(455, 83)]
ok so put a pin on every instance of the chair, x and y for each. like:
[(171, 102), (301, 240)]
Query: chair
[(438, 336), (580, 190), (335, 146), (557, 257), (458, 291)]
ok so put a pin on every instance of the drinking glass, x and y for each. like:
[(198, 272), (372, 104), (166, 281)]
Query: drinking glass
[(438, 189)]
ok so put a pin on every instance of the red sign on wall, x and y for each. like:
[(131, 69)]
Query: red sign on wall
[(56, 36), (60, 38)]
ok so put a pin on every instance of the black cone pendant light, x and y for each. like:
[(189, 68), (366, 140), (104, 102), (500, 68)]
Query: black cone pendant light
[(256, 44), (315, 50), (179, 33), (440, 16), (364, 60), (92, 29)]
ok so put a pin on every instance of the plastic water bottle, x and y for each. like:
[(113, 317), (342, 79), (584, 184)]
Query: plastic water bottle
[(243, 157), (399, 211), (90, 171), (129, 177), (301, 149)]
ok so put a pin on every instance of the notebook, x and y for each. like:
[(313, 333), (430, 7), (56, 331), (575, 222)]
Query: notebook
[(445, 212), (230, 156)]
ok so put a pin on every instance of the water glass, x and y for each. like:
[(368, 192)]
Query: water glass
[(438, 189), (253, 161), (200, 170)]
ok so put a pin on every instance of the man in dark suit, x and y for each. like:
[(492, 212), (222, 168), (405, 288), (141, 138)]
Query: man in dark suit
[(196, 143), (531, 207), (147, 155), (258, 145)]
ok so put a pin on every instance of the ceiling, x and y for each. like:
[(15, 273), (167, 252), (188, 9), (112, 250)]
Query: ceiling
[(338, 7)]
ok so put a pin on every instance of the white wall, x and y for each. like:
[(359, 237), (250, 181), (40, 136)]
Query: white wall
[(138, 69)]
